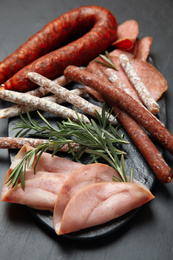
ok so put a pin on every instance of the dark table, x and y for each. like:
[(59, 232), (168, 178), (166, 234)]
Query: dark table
[(149, 234)]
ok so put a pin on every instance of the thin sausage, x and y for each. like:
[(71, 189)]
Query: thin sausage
[(102, 31), (19, 142), (136, 81), (126, 102), (65, 94), (149, 151), (13, 111), (40, 103)]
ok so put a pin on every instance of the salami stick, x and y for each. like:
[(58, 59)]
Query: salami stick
[(149, 151), (41, 92), (38, 92), (38, 103), (15, 110), (70, 97), (18, 142), (126, 102), (114, 79), (143, 92)]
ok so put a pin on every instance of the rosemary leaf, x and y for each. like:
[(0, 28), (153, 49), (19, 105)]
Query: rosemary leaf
[(31, 158), (131, 174), (109, 63)]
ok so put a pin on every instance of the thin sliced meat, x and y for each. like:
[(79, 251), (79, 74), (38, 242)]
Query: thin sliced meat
[(101, 202), (127, 34), (130, 54), (143, 48), (40, 193), (79, 179), (151, 77), (47, 164), (48, 167)]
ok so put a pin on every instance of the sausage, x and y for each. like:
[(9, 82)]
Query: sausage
[(124, 101), (19, 142), (65, 94), (40, 54), (149, 151), (24, 99)]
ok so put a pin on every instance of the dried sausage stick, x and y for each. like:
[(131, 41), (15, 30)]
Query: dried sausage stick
[(67, 95), (126, 102), (15, 110), (102, 31), (41, 92), (17, 143), (39, 103), (149, 151), (38, 92), (141, 89)]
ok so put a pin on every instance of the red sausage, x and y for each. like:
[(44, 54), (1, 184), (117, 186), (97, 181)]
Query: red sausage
[(149, 151), (101, 28), (124, 101)]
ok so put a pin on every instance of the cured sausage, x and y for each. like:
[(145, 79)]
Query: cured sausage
[(149, 151), (126, 102), (42, 104), (68, 96), (101, 28)]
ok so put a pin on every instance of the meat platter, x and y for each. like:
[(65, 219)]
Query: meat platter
[(142, 172), (86, 188)]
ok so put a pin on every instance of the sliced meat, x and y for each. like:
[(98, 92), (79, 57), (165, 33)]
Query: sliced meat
[(40, 193), (48, 169), (143, 48), (47, 165), (127, 34), (79, 179), (130, 54), (101, 202), (151, 77)]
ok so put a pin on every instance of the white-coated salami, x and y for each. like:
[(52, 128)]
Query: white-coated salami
[(38, 103), (70, 97), (141, 89), (16, 109)]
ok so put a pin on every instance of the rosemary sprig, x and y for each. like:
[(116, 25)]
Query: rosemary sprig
[(90, 138), (109, 63)]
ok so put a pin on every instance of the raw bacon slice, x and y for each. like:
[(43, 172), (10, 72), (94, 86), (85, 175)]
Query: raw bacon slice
[(143, 48), (101, 202), (127, 34), (79, 179)]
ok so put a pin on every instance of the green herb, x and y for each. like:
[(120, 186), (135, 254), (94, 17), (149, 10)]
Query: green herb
[(109, 63), (97, 141)]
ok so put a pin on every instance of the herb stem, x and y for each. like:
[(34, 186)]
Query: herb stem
[(91, 138)]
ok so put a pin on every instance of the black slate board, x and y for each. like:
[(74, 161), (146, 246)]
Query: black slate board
[(142, 172)]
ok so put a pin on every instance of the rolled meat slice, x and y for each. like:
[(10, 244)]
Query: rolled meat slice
[(127, 34)]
